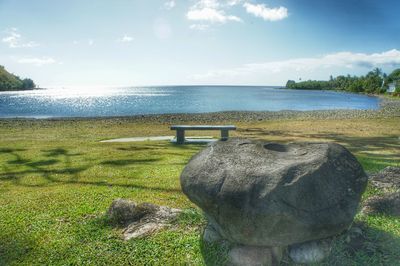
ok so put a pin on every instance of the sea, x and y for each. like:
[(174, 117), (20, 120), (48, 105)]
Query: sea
[(128, 101)]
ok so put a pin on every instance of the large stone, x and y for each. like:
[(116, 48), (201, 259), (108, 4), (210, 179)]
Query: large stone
[(269, 194), (210, 235)]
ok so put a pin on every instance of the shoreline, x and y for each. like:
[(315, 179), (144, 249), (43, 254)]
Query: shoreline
[(387, 108)]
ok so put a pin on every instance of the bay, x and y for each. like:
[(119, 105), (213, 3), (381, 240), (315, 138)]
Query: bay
[(100, 102)]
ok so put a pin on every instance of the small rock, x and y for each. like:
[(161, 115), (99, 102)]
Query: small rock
[(251, 256), (210, 235), (122, 211), (151, 222), (139, 230), (310, 252), (140, 220)]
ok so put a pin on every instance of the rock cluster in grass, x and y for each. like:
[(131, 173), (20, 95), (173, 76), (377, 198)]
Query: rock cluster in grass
[(388, 178), (388, 202), (270, 196), (140, 220)]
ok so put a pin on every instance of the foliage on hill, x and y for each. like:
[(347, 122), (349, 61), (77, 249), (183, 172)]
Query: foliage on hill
[(11, 82), (374, 82), (394, 76)]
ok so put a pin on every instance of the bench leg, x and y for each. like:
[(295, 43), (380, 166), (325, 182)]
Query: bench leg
[(224, 134), (180, 136)]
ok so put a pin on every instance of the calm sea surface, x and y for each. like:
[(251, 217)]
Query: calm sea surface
[(179, 99)]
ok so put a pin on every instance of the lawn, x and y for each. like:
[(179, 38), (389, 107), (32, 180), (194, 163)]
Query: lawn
[(57, 180)]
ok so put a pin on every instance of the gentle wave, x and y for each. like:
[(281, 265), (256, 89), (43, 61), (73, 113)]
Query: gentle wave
[(92, 102)]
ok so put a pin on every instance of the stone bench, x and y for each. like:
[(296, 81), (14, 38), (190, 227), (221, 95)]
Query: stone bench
[(180, 131)]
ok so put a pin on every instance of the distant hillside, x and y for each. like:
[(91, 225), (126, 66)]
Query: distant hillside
[(11, 82)]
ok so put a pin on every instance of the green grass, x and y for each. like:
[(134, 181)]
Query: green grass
[(57, 180)]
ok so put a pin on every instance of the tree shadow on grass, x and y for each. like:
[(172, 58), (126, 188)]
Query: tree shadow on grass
[(13, 249), (162, 146), (355, 144), (42, 163), (126, 162), (134, 148), (371, 150), (60, 163), (10, 150), (45, 168), (371, 247)]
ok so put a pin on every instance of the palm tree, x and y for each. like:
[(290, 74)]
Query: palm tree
[(377, 71)]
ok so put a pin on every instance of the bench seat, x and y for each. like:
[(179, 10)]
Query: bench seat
[(180, 130)]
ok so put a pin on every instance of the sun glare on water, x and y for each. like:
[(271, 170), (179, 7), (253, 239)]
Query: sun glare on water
[(88, 92)]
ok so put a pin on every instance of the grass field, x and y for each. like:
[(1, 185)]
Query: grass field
[(57, 180)]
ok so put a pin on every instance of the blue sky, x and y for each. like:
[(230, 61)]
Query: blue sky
[(166, 42)]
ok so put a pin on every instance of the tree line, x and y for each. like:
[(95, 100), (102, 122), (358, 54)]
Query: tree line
[(11, 82), (374, 82)]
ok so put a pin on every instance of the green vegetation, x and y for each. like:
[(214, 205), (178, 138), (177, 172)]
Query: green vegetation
[(374, 82), (394, 77), (57, 180), (11, 82)]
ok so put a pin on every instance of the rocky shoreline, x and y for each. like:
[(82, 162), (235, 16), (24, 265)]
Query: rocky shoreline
[(388, 108)]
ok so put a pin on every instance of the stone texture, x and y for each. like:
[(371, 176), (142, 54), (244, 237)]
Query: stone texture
[(310, 252), (122, 211), (210, 235), (269, 194), (388, 181), (250, 256), (388, 203), (140, 220), (254, 256), (151, 222), (388, 178)]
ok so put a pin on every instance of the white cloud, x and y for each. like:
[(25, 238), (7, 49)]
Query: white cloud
[(207, 3), (36, 61), (169, 4), (262, 11), (234, 2), (125, 38), (298, 66), (211, 15), (14, 40), (90, 42), (199, 27), (210, 11)]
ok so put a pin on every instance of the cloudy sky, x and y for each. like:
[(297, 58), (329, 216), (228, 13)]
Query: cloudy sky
[(178, 42)]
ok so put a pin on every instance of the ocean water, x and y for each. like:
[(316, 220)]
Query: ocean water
[(172, 99)]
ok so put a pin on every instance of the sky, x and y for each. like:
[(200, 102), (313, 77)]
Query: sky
[(82, 43)]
